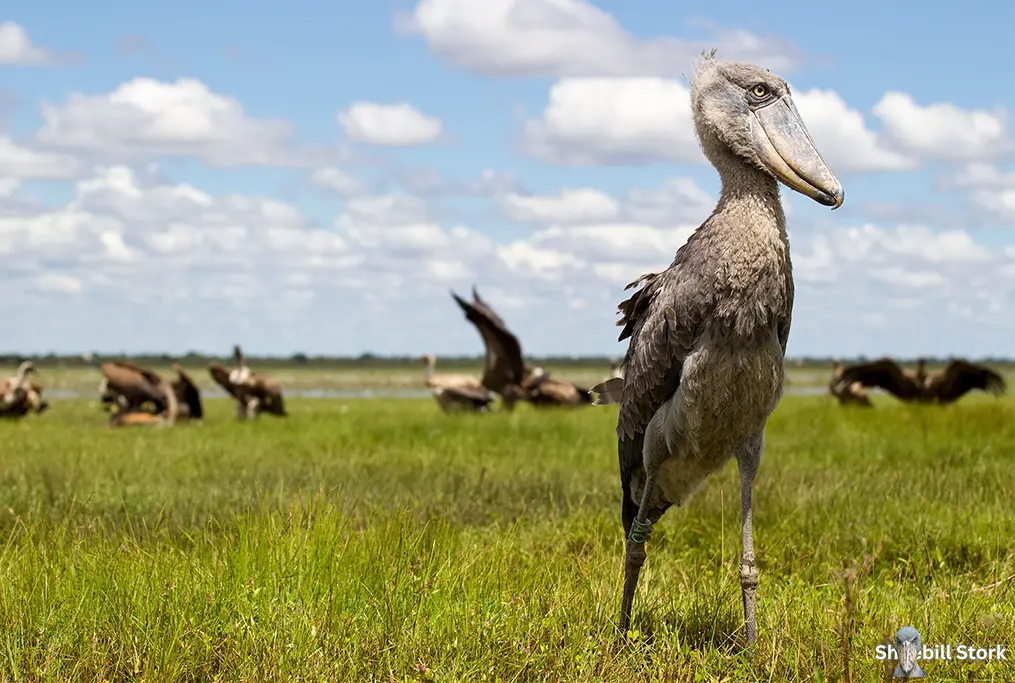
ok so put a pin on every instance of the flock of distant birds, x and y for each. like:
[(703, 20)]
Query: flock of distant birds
[(959, 377), (137, 396)]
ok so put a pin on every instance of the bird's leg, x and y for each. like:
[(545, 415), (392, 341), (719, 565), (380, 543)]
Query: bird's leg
[(635, 554), (241, 410), (748, 464), (253, 406)]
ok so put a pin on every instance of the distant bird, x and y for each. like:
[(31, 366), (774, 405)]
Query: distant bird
[(705, 363), (503, 368), (455, 393), (542, 391), (188, 395), (848, 393), (505, 371), (19, 395), (434, 379), (254, 392), (454, 399), (142, 418), (945, 386), (128, 387)]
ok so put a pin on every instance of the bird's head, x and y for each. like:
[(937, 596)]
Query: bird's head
[(748, 111), (427, 359), (27, 368)]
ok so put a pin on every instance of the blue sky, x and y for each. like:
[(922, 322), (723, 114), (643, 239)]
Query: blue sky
[(140, 211)]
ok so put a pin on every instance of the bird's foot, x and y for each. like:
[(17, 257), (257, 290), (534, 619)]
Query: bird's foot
[(749, 587)]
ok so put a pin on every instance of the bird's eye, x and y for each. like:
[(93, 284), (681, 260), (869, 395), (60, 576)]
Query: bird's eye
[(760, 91)]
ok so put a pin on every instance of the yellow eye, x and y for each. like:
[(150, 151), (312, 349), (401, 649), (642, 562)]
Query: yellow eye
[(760, 91)]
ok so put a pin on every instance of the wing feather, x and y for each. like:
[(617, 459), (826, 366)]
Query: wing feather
[(885, 374), (503, 366), (962, 376)]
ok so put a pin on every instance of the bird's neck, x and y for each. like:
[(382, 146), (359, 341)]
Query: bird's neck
[(749, 196)]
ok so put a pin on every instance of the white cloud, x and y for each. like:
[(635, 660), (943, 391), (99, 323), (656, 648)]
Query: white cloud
[(992, 190), (58, 282), (603, 121), (145, 117), (17, 48), (570, 38), (338, 181), (676, 201), (942, 130), (905, 287), (171, 266), (23, 163), (842, 135), (614, 120), (570, 206), (389, 125)]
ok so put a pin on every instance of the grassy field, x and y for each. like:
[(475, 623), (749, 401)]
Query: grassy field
[(380, 540)]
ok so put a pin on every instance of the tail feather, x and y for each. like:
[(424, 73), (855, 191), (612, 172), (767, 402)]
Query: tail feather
[(609, 392)]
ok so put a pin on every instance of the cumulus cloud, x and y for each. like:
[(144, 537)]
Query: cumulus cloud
[(942, 130), (145, 117), (842, 135), (905, 286), (600, 121), (431, 183), (389, 125), (27, 164), (340, 182), (570, 38), (17, 48), (676, 201), (570, 206), (170, 266), (592, 121), (604, 121), (992, 190)]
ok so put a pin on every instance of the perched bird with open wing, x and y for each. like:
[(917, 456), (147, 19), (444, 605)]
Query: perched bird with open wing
[(503, 367), (946, 386)]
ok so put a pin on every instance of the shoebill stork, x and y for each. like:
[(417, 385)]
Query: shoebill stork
[(503, 368), (848, 393), (946, 386), (704, 365)]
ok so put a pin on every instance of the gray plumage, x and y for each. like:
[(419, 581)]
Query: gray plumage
[(704, 365)]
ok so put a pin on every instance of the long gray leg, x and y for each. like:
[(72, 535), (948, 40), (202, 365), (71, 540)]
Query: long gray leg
[(748, 461), (635, 554)]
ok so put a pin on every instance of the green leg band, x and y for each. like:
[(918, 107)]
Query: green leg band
[(640, 532)]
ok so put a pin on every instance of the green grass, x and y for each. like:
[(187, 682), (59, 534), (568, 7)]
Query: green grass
[(380, 540)]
